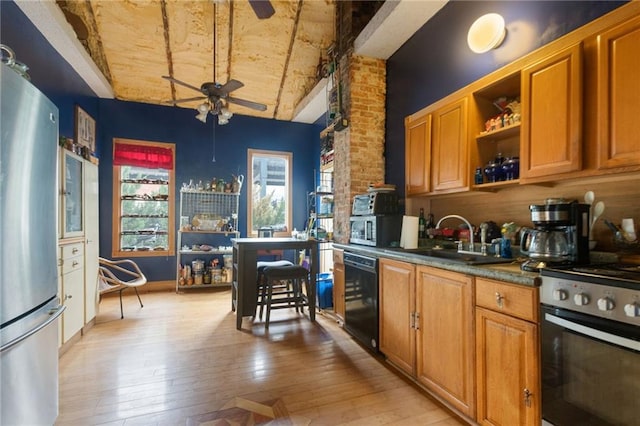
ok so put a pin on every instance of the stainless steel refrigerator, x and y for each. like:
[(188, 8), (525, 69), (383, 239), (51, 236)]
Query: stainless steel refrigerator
[(28, 260)]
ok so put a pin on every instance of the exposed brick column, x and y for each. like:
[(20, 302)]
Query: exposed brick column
[(359, 149)]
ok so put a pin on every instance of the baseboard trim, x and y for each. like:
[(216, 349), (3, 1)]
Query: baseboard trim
[(151, 286)]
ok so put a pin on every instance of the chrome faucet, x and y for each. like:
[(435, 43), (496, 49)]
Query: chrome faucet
[(455, 216)]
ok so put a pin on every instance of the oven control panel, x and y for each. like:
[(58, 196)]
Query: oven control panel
[(614, 303)]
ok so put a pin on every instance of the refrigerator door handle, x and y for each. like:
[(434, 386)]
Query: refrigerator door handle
[(54, 314)]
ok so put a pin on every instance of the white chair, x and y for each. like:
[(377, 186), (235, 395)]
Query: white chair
[(119, 275)]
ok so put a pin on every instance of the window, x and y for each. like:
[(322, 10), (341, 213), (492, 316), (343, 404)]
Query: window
[(143, 198), (269, 203)]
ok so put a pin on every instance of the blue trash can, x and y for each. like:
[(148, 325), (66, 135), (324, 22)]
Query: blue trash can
[(324, 290)]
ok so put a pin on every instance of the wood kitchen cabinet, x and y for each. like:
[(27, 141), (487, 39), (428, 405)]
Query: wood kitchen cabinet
[(436, 150), (445, 341), (449, 151), (618, 100), (508, 371), (426, 329), (338, 283), (551, 130), (397, 313), (418, 154)]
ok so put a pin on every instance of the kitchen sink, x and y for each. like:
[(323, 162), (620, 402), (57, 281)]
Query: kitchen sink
[(452, 256)]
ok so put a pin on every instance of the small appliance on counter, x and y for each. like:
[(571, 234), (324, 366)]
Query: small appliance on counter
[(375, 203), (375, 219), (560, 235), (376, 230)]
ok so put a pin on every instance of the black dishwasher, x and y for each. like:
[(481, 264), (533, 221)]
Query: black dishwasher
[(361, 298)]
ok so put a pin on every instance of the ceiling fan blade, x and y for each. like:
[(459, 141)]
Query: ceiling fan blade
[(177, 101), (215, 90), (182, 83), (231, 85), (262, 8), (248, 104)]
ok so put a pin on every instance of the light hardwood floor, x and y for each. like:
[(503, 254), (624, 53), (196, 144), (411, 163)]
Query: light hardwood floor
[(180, 360)]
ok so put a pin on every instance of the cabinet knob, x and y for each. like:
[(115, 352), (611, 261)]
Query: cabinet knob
[(75, 263), (527, 397), (68, 296), (74, 250), (499, 300)]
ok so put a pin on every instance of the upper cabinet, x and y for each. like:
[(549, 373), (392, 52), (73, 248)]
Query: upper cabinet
[(449, 151), (551, 131), (418, 154), (436, 150), (71, 192), (618, 96), (565, 111)]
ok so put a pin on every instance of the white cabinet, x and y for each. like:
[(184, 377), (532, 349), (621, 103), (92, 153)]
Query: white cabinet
[(91, 238), (71, 195), (208, 221), (78, 243), (72, 288)]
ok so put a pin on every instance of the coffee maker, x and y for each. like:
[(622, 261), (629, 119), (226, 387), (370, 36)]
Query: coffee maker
[(560, 235)]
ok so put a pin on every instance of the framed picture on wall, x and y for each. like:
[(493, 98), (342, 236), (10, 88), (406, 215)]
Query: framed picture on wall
[(85, 129)]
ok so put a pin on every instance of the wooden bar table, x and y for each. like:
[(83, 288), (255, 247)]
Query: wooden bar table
[(244, 290)]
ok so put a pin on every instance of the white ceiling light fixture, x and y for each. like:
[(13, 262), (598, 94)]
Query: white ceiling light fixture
[(486, 33), (203, 110)]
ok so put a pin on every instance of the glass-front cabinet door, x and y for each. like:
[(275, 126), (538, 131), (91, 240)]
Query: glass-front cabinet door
[(72, 224)]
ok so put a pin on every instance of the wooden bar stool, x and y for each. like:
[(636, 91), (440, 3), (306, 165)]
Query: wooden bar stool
[(294, 276), (262, 288)]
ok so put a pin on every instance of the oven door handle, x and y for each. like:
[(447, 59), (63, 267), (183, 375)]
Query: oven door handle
[(591, 332)]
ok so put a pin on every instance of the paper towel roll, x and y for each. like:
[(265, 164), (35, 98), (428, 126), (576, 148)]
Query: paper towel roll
[(409, 234)]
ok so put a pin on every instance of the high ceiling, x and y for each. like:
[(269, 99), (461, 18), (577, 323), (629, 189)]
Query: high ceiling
[(136, 42)]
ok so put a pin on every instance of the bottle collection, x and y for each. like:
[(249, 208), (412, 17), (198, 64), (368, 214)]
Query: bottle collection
[(497, 170), (425, 224)]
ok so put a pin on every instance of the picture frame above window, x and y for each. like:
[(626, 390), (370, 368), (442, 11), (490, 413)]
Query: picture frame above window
[(85, 130)]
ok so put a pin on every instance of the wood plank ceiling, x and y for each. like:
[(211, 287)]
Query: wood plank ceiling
[(135, 42)]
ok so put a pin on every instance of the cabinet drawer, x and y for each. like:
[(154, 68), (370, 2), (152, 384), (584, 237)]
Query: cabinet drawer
[(72, 250), (72, 264), (510, 299)]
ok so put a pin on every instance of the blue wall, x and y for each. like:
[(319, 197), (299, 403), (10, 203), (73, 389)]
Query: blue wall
[(437, 61), (194, 157)]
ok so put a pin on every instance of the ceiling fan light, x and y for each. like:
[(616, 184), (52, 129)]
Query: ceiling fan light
[(222, 120), (202, 116), (224, 112), (204, 108)]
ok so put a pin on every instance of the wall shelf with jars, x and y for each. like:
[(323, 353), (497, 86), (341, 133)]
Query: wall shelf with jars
[(496, 152)]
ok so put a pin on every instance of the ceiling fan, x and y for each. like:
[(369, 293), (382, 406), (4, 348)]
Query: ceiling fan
[(216, 95)]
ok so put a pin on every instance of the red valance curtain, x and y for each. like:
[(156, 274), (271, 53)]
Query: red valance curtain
[(151, 157)]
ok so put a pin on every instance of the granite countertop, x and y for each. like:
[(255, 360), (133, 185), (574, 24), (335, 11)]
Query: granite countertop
[(509, 272)]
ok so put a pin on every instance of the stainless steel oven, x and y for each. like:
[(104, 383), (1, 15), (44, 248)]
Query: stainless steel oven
[(590, 345), (361, 298)]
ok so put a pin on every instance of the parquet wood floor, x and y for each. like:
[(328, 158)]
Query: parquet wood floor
[(181, 361)]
